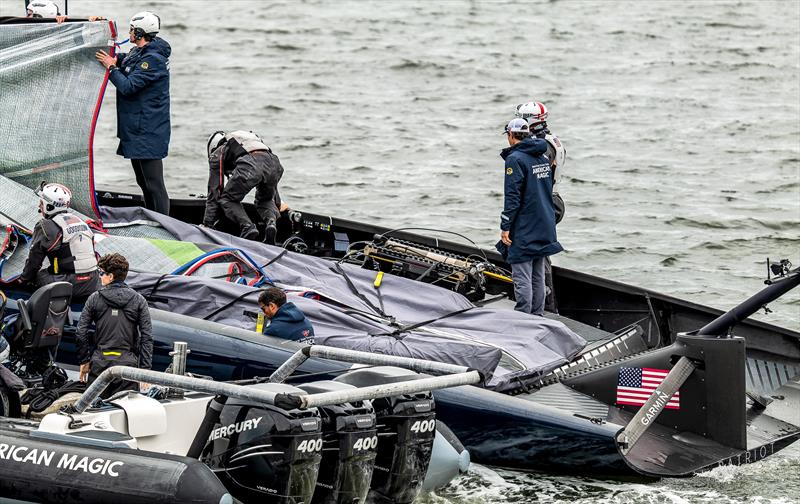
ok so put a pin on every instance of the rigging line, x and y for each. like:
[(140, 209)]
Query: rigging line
[(231, 303), (337, 268), (417, 325)]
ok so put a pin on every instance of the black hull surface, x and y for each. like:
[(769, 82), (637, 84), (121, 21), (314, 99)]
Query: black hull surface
[(36, 469)]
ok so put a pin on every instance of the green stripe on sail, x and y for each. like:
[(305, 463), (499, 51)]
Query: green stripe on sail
[(179, 251)]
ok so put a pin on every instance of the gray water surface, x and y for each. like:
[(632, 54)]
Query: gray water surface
[(681, 120)]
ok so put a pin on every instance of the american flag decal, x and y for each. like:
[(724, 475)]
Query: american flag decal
[(636, 385)]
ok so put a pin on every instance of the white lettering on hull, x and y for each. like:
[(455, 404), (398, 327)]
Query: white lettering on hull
[(70, 462)]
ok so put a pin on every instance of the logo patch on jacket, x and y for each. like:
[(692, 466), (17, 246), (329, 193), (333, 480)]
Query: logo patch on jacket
[(145, 65), (509, 171)]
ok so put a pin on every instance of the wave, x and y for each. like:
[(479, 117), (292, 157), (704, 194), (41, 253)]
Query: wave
[(288, 47), (417, 65), (789, 186), (720, 24)]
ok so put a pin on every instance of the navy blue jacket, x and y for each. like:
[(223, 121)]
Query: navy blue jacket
[(142, 83), (290, 323), (528, 204)]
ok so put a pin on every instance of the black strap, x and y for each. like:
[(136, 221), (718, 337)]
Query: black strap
[(417, 325), (230, 303), (156, 286), (337, 268)]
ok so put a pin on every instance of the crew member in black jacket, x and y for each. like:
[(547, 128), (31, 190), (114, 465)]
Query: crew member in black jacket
[(123, 334)]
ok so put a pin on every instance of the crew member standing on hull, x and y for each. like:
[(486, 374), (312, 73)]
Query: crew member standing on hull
[(527, 223), (536, 114), (123, 333), (248, 163), (143, 123), (66, 241)]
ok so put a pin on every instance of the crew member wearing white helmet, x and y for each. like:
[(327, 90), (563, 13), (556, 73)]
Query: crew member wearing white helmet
[(143, 117), (66, 241), (42, 9), (244, 158), (536, 114), (48, 9)]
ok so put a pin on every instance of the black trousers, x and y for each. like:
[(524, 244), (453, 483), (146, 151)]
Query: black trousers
[(150, 177), (83, 285)]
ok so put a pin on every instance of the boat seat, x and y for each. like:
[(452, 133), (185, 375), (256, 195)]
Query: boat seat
[(145, 416), (42, 317), (96, 438)]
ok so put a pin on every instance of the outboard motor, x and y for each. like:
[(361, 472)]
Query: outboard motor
[(406, 429), (349, 444), (263, 453)]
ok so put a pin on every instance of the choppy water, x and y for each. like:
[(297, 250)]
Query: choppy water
[(681, 120)]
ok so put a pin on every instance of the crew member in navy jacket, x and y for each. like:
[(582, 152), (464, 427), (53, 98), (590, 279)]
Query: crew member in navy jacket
[(286, 319), (528, 223), (143, 124)]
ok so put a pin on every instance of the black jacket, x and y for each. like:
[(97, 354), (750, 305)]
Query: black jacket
[(123, 327), (45, 242)]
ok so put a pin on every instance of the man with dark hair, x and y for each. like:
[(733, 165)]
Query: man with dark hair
[(286, 319), (527, 224), (123, 334)]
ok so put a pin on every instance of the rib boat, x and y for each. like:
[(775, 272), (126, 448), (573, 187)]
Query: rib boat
[(615, 380)]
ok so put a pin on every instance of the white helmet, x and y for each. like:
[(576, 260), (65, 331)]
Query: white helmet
[(53, 198), (145, 23), (216, 140), (535, 113), (42, 9)]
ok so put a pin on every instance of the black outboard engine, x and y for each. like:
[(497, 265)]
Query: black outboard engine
[(264, 453), (349, 444), (406, 430)]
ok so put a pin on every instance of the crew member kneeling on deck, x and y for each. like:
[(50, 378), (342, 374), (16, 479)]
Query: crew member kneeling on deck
[(248, 163), (286, 319), (123, 330), (66, 241), (528, 223)]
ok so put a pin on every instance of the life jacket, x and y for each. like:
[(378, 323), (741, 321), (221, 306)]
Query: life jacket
[(76, 253), (560, 158), (238, 144)]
